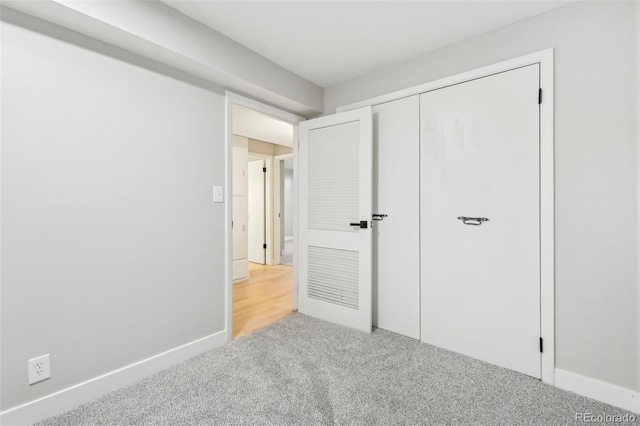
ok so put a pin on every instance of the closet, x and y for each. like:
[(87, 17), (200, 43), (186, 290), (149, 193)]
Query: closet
[(240, 207), (454, 224)]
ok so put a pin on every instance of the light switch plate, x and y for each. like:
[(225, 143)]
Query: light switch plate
[(218, 194)]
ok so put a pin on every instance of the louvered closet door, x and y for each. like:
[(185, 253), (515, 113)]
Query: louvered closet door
[(335, 158)]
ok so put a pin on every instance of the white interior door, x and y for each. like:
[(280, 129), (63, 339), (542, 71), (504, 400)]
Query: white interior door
[(256, 202), (240, 265), (480, 159), (240, 162), (240, 210), (239, 227), (396, 240), (335, 165)]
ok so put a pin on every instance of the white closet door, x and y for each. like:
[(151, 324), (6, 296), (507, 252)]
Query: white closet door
[(480, 159), (239, 227), (256, 202), (240, 161), (335, 218), (240, 265), (396, 239)]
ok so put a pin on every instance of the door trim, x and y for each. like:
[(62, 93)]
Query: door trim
[(545, 58), (231, 99)]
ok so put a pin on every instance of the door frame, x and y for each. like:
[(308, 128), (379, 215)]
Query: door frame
[(545, 58), (231, 99)]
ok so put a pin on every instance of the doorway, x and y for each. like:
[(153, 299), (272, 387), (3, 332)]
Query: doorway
[(260, 289)]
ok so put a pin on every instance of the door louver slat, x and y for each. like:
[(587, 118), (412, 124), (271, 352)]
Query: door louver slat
[(333, 276)]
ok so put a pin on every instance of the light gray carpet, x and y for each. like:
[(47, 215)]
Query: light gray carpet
[(306, 371)]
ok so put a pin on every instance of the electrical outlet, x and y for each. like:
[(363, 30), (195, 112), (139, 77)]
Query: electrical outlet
[(39, 369)]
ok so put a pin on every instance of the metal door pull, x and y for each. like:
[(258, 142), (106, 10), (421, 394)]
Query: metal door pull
[(473, 220), (377, 216)]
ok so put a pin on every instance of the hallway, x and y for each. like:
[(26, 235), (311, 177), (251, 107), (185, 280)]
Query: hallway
[(264, 298)]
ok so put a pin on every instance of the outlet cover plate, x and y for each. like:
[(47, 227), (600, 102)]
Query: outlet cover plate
[(39, 369)]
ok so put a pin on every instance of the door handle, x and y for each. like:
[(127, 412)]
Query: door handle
[(378, 216), (363, 224), (476, 221)]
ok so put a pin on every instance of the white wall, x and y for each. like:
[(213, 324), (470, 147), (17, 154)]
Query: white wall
[(596, 168), (111, 245)]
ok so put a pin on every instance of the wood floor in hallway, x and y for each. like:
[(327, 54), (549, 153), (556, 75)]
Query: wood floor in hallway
[(264, 298)]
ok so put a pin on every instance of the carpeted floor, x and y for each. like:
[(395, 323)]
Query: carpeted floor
[(305, 371)]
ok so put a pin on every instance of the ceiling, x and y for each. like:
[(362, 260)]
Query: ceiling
[(328, 42)]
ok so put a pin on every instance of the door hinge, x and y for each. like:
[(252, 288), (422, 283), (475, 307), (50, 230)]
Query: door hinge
[(541, 345), (539, 96), (264, 246), (264, 170)]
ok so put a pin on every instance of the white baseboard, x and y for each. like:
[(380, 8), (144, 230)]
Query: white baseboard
[(71, 397), (624, 398)]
